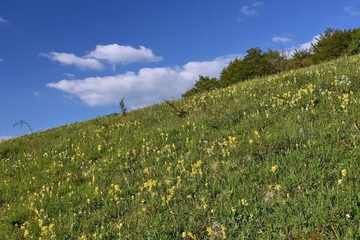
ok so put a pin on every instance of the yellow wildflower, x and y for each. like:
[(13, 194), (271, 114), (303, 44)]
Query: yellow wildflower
[(209, 230), (223, 229), (26, 233), (274, 168), (244, 202)]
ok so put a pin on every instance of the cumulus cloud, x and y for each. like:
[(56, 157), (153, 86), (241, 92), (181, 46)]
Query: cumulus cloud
[(71, 59), (147, 86), (251, 10), (308, 44), (303, 46), (281, 39), (116, 54), (113, 54)]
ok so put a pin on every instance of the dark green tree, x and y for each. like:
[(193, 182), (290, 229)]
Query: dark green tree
[(354, 46), (203, 84), (300, 58), (254, 64), (240, 70), (272, 62), (331, 44), (236, 71)]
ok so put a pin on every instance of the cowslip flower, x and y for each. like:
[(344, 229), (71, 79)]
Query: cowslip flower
[(277, 187), (274, 168), (244, 202)]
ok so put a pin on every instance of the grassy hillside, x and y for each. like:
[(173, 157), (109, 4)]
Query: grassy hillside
[(272, 158)]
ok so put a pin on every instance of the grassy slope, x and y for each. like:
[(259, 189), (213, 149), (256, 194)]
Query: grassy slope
[(272, 158)]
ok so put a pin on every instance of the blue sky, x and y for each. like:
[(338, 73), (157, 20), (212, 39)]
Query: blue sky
[(67, 61)]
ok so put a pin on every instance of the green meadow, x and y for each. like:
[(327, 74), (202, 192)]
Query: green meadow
[(276, 157)]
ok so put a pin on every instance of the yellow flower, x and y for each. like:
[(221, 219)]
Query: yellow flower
[(150, 184), (51, 228), (191, 235), (119, 225), (273, 168), (99, 147), (244, 202), (188, 234), (83, 237), (343, 172), (26, 233), (44, 230), (117, 188), (223, 229), (209, 230)]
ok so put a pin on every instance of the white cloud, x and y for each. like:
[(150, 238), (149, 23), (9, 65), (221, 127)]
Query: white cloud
[(308, 45), (69, 75), (112, 53), (5, 137), (115, 54), (2, 20), (148, 86), (247, 11), (303, 46), (257, 4), (353, 9), (71, 59), (1, 60), (37, 94), (281, 39), (251, 10)]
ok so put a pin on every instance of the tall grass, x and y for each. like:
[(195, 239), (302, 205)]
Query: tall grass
[(272, 158)]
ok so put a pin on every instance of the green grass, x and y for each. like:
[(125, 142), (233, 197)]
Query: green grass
[(272, 158)]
